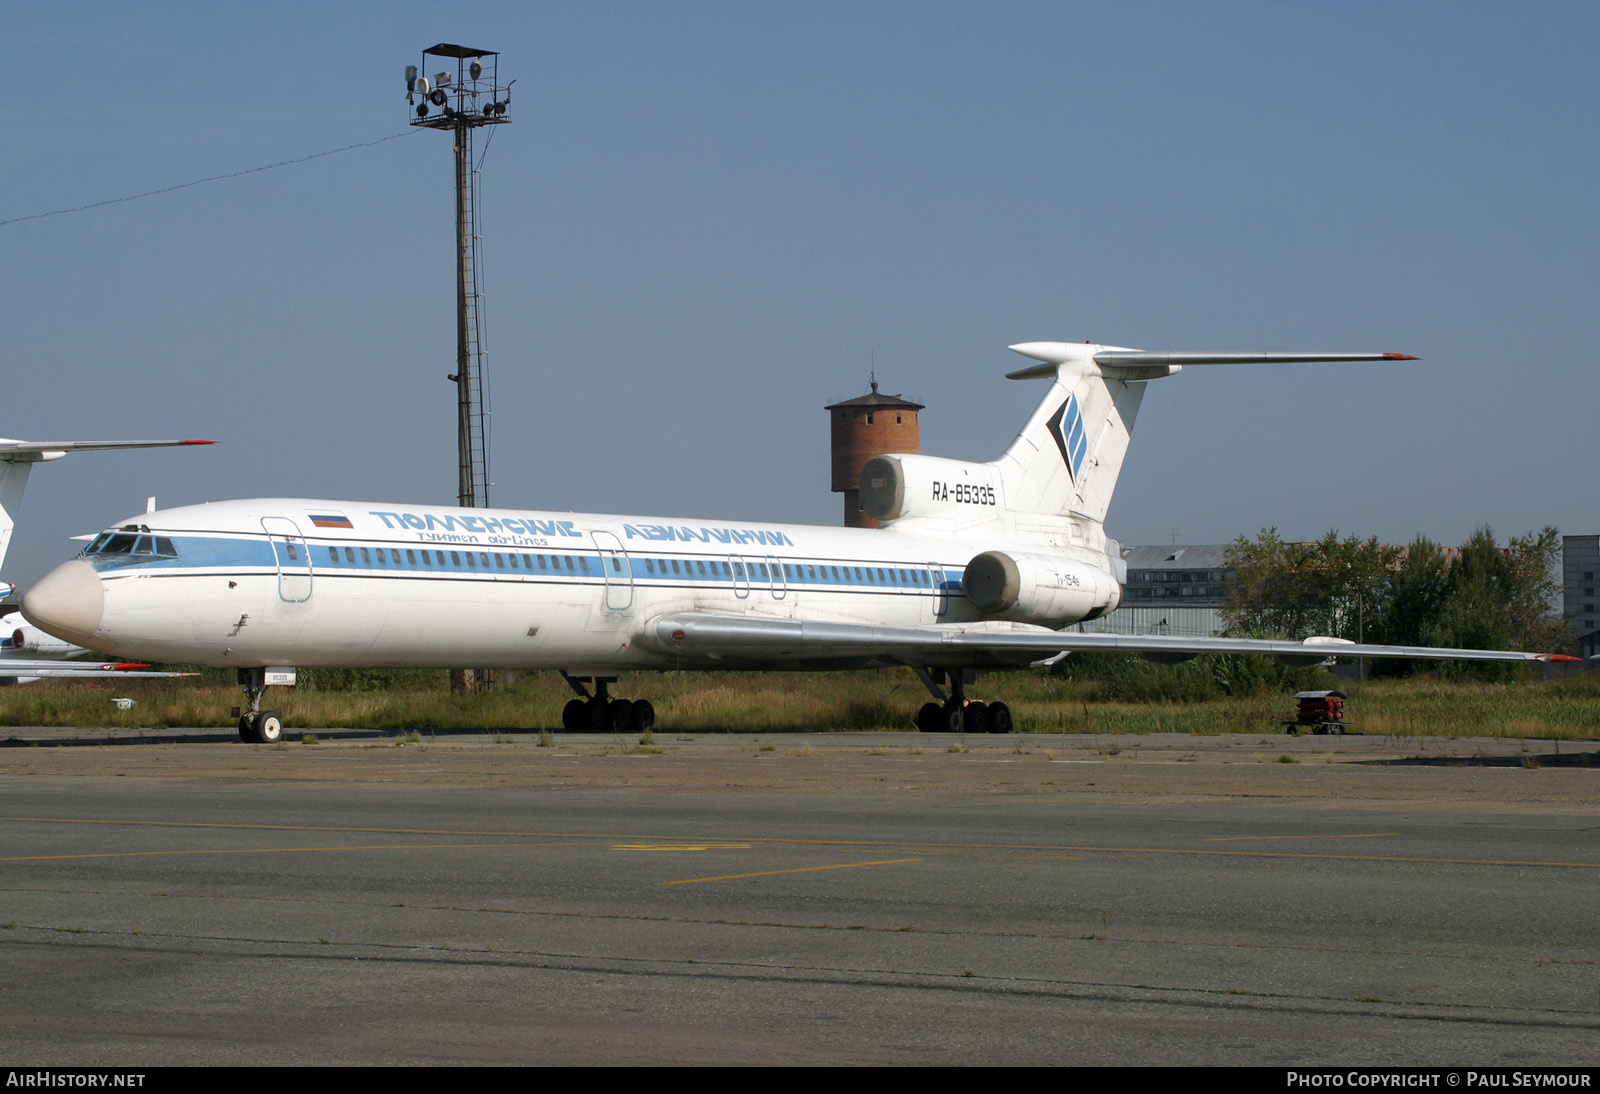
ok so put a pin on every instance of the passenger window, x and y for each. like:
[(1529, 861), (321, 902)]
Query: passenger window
[(455, 558), (542, 565), (583, 562), (675, 568), (294, 555), (483, 559), (470, 560), (500, 562), (649, 565), (365, 556), (333, 554), (349, 554), (701, 565), (411, 556)]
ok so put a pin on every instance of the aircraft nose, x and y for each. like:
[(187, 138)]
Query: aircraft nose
[(67, 602)]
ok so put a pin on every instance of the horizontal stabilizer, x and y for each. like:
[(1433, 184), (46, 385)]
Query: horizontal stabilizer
[(1140, 357), (34, 451), (1160, 363)]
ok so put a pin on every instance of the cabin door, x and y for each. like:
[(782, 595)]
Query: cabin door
[(618, 568), (293, 558), (780, 585), (941, 595)]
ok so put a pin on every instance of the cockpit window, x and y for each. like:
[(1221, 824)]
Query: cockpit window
[(122, 548)]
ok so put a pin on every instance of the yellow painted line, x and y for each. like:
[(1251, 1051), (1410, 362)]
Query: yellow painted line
[(680, 847), (1329, 835), (798, 870), (545, 838)]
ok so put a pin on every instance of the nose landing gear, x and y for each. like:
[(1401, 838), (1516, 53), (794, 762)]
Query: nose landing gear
[(257, 726)]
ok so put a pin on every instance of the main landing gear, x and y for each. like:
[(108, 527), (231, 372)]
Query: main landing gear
[(599, 713), (257, 726), (956, 713)]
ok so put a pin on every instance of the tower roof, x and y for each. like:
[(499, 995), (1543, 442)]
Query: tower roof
[(874, 399)]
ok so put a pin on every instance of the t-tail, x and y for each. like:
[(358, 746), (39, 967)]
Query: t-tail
[(16, 463), (1055, 483)]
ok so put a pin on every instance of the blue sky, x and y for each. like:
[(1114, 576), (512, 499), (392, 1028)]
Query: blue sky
[(708, 220)]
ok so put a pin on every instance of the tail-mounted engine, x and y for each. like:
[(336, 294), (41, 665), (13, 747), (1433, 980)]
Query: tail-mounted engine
[(894, 487), (1038, 589)]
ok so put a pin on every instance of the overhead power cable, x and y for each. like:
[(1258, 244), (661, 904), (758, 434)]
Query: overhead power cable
[(208, 178)]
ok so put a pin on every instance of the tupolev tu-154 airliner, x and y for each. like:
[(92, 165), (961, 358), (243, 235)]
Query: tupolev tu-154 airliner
[(977, 566)]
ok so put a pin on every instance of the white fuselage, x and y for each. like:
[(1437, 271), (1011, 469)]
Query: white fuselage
[(304, 583)]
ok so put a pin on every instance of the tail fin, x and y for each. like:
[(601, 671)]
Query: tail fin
[(18, 457), (1066, 460), (13, 481)]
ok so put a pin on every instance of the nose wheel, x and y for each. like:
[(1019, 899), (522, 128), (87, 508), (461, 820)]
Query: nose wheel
[(261, 727)]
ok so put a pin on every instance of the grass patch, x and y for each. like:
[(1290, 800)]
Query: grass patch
[(760, 703)]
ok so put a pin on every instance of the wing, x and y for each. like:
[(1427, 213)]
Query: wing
[(736, 641), (16, 666)]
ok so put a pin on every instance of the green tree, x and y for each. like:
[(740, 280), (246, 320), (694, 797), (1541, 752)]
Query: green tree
[(1501, 598), (1483, 597), (1335, 587)]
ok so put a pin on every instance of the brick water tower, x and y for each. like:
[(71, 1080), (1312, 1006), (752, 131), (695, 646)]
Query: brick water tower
[(867, 426)]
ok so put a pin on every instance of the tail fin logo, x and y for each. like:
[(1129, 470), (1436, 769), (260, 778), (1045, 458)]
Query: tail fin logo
[(1066, 426)]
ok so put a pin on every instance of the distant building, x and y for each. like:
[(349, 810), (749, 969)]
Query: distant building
[(1580, 564), (1175, 590), (861, 428)]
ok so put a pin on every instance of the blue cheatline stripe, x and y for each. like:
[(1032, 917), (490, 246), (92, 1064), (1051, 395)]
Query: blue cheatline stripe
[(258, 552)]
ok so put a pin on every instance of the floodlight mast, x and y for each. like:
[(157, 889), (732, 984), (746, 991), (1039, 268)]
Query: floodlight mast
[(458, 102)]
